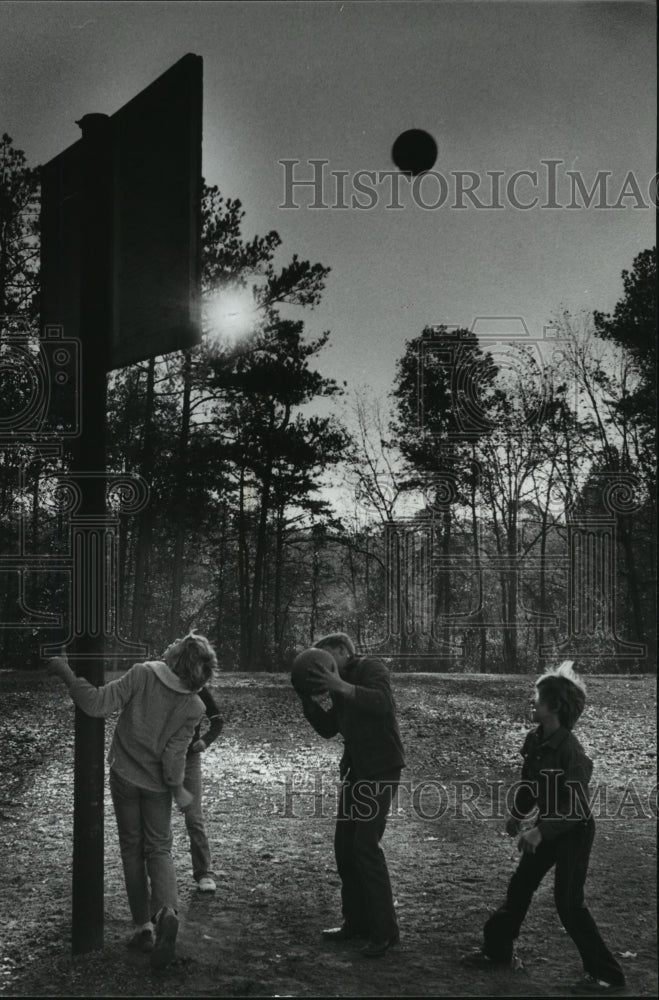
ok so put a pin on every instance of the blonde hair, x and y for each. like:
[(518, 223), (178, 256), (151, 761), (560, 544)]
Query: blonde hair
[(192, 659), (564, 691)]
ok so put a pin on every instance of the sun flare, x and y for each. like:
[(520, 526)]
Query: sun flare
[(231, 314)]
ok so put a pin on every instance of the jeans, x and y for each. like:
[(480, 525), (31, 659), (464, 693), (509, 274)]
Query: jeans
[(194, 819), (570, 853), (145, 841), (366, 897)]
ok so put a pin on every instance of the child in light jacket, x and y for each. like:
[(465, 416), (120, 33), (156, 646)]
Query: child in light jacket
[(159, 708)]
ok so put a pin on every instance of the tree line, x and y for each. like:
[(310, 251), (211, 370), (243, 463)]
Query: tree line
[(498, 509)]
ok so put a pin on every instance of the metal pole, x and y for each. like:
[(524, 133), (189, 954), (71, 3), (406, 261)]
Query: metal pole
[(89, 461)]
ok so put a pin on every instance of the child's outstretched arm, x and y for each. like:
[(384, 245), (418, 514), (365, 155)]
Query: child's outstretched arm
[(58, 666), (97, 702)]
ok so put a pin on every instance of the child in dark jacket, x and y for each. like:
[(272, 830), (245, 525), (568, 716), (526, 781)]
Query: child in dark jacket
[(194, 817), (159, 709), (364, 712), (552, 816)]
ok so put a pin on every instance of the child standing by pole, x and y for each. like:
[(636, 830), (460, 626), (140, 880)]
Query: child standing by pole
[(159, 711), (555, 777)]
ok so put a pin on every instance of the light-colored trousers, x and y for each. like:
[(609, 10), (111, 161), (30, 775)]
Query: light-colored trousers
[(194, 818)]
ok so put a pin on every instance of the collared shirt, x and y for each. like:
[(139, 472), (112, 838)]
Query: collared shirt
[(157, 722), (367, 722), (555, 776)]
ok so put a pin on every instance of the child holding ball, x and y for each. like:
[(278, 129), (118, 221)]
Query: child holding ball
[(159, 709)]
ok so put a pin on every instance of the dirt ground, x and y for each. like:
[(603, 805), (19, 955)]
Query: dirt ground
[(269, 797)]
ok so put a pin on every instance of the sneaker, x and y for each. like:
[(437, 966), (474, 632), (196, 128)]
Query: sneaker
[(165, 945), (592, 986), (141, 939), (206, 884)]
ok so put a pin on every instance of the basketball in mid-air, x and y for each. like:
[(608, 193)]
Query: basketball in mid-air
[(303, 663), (414, 152)]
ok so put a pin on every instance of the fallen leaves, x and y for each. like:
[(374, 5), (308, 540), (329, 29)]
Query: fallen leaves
[(277, 883)]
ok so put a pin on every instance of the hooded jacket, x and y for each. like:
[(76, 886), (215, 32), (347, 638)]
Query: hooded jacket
[(157, 722)]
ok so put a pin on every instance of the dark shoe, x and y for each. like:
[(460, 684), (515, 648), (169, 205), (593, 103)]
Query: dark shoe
[(341, 933), (166, 931), (375, 949), (141, 940), (590, 986), (479, 960)]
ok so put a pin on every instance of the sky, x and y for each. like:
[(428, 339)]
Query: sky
[(500, 86)]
